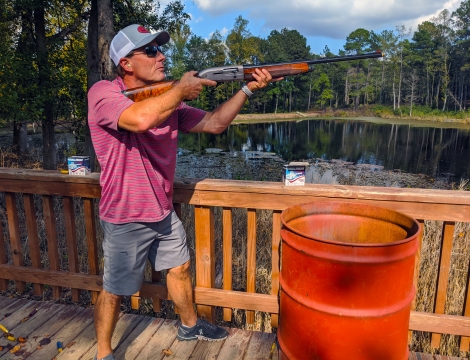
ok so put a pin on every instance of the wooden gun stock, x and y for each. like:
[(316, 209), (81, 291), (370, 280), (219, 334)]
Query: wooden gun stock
[(147, 91)]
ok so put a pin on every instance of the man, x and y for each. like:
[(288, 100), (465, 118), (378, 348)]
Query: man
[(136, 146)]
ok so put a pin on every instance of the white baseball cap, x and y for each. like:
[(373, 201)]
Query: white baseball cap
[(133, 37)]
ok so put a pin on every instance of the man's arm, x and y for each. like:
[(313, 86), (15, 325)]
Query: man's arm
[(147, 114), (218, 120)]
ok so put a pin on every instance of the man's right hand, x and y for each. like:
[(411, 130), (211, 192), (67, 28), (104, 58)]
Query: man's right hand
[(190, 86)]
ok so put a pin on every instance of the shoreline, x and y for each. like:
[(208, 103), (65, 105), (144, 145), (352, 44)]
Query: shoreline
[(254, 166), (350, 115)]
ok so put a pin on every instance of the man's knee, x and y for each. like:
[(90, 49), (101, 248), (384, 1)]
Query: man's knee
[(110, 298), (181, 272)]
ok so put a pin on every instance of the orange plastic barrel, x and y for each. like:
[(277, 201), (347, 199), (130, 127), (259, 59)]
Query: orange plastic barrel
[(346, 282)]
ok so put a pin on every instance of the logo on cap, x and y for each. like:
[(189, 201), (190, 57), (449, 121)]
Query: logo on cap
[(143, 30)]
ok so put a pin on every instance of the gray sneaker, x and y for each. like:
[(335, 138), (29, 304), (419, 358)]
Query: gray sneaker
[(203, 330), (108, 357)]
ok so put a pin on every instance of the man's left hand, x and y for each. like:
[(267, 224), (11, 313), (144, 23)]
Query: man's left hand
[(262, 79)]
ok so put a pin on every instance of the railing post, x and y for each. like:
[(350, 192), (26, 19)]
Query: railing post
[(205, 255)]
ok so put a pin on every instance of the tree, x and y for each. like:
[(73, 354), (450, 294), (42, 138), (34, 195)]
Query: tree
[(385, 41), (322, 86), (411, 83)]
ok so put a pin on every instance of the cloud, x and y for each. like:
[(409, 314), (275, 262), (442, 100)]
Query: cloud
[(224, 31), (331, 18)]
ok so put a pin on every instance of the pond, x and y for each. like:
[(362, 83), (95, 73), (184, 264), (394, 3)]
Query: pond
[(435, 149), (431, 148)]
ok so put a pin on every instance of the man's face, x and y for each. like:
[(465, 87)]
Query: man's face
[(147, 69)]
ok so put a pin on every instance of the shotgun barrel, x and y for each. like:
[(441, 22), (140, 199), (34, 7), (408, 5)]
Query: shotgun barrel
[(244, 73)]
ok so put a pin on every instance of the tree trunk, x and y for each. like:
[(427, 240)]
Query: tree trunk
[(400, 78), (44, 86), (309, 95), (290, 101), (427, 86), (100, 67), (20, 139), (383, 81)]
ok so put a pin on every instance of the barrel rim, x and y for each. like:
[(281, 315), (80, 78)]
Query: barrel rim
[(416, 227)]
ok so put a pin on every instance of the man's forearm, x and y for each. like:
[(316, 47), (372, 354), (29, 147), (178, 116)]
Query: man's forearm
[(224, 114)]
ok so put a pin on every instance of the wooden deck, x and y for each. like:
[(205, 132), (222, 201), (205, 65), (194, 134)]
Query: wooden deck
[(136, 337)]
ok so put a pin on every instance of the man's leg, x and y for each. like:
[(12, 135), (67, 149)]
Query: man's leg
[(169, 250), (179, 286), (106, 314)]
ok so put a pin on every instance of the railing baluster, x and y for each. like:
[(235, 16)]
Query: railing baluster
[(251, 260), (276, 240), (135, 301), (52, 244), (15, 238), (3, 257), (71, 238), (33, 238), (443, 274), (205, 255), (157, 302), (416, 271), (90, 228), (227, 256)]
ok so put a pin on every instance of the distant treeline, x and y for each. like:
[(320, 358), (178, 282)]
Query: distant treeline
[(52, 52)]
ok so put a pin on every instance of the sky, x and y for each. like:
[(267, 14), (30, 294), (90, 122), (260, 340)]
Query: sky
[(322, 22)]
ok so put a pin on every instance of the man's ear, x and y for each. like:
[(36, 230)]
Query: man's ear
[(125, 64)]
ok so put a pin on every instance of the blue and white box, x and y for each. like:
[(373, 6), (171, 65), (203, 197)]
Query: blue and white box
[(294, 174), (79, 165)]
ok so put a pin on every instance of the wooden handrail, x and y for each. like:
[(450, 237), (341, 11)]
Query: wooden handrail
[(205, 194)]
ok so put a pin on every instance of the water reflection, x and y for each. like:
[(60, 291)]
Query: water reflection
[(427, 150)]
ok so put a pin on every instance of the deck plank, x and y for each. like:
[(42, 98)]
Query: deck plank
[(79, 346), (125, 326), (42, 345), (138, 339), (10, 321), (207, 350), (260, 346), (180, 350), (28, 328), (235, 345), (67, 333), (161, 340), (5, 301)]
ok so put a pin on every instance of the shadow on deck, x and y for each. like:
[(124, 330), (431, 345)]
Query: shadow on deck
[(136, 337)]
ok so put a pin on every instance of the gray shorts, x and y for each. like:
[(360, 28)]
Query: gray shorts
[(127, 247)]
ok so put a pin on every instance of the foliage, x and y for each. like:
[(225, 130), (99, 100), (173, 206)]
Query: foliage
[(52, 84)]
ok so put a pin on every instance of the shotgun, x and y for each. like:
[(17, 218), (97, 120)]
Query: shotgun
[(243, 73)]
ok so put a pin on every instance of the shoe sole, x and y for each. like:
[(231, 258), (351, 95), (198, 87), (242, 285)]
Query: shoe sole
[(199, 337)]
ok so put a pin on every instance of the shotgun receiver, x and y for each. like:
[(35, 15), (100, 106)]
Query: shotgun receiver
[(243, 73)]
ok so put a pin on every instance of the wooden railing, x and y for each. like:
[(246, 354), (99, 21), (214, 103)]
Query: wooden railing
[(21, 187)]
